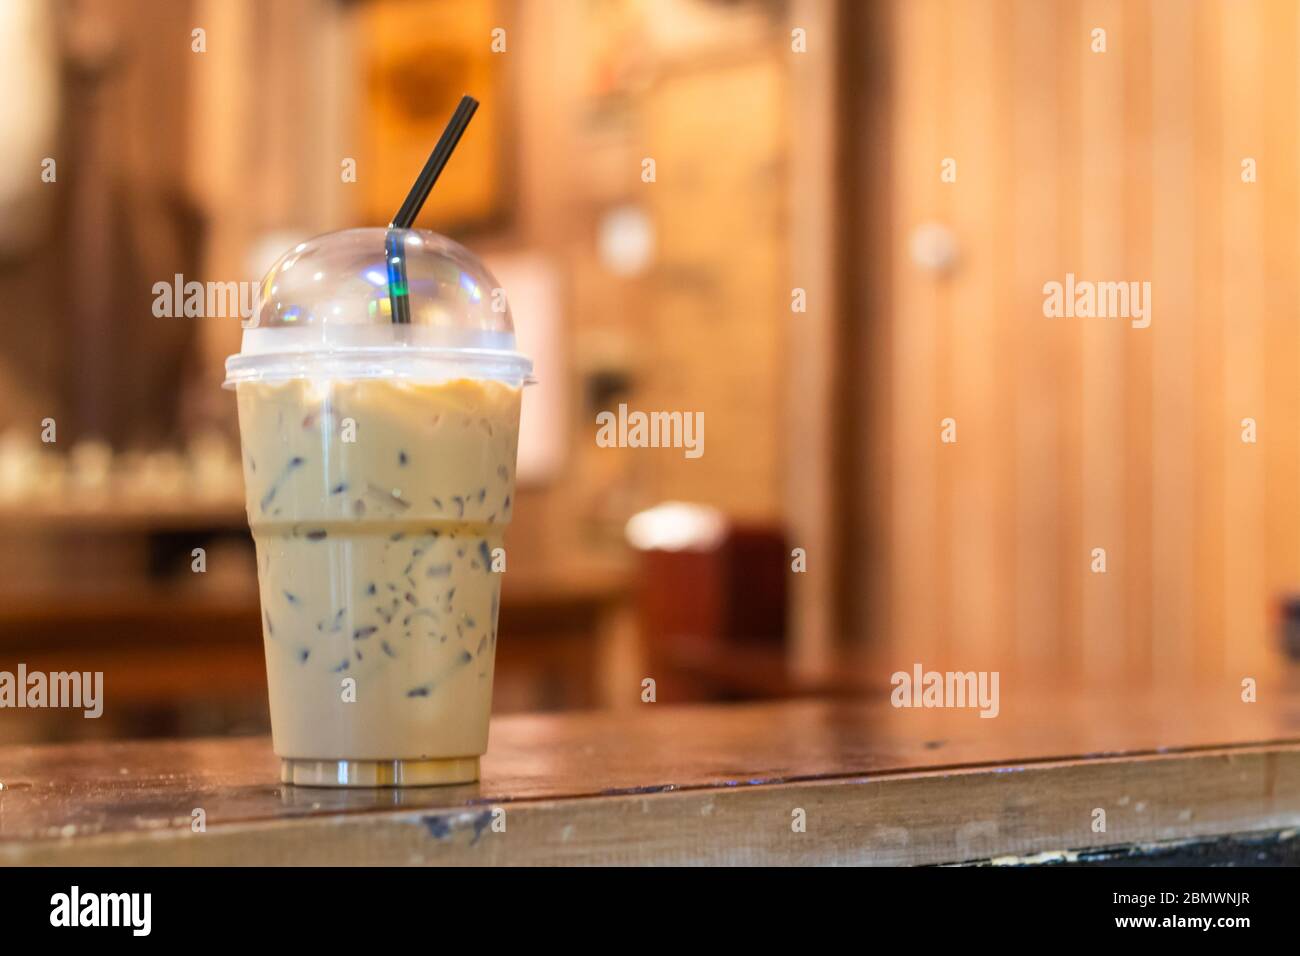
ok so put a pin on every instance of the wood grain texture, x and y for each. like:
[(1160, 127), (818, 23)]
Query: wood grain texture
[(917, 569), (1039, 519), (1173, 351), (1082, 433), (695, 785), (812, 383)]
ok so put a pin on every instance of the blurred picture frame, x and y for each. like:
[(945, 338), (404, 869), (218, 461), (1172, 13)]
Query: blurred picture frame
[(415, 59)]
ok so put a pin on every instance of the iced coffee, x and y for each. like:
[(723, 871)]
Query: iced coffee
[(379, 469)]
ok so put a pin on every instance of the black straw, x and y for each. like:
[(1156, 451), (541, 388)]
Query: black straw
[(437, 160), (398, 289)]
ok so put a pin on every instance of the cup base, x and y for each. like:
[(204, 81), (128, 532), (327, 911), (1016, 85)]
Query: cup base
[(442, 771)]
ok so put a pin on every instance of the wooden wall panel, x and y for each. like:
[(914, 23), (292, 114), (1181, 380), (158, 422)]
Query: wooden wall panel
[(1241, 317), (976, 485), (1039, 523), (1078, 433), (1172, 227), (1279, 154), (718, 305), (1208, 411), (813, 341), (1067, 342), (919, 578), (1137, 407), (1104, 342)]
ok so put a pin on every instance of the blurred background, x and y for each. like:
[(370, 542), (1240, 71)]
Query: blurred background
[(854, 209)]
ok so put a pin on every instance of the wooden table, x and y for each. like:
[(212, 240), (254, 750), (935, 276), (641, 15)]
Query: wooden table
[(707, 785)]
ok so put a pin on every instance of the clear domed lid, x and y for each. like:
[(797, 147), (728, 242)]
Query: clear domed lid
[(379, 303)]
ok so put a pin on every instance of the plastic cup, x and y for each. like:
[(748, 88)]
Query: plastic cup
[(379, 473)]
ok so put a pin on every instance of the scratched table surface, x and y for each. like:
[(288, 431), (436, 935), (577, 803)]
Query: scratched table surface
[(799, 782)]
